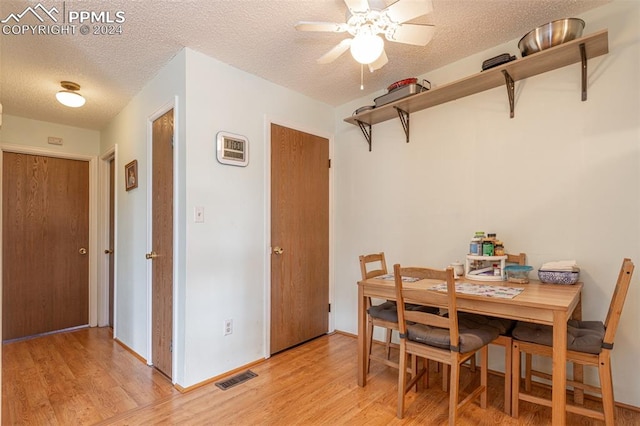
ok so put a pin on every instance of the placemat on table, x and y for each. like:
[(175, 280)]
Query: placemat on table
[(481, 290), (391, 277)]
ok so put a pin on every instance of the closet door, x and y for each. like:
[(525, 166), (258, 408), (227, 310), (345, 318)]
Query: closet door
[(45, 242), (299, 237)]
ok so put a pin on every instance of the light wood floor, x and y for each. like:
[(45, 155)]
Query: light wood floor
[(84, 377)]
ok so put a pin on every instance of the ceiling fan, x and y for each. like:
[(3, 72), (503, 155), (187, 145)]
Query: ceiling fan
[(365, 22)]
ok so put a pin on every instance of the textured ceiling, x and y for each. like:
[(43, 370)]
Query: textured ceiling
[(257, 36)]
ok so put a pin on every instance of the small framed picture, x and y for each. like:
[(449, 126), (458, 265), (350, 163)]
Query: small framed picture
[(131, 175)]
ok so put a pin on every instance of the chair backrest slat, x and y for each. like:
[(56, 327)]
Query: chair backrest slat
[(427, 318), (417, 296), (414, 295), (519, 259), (617, 300), (366, 262)]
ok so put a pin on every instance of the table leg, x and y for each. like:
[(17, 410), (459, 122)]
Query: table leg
[(362, 338), (559, 382), (578, 369)]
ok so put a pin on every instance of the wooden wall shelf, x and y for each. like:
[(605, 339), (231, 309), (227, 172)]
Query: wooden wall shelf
[(574, 51)]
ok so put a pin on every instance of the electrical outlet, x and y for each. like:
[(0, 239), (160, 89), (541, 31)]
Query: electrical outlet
[(228, 327)]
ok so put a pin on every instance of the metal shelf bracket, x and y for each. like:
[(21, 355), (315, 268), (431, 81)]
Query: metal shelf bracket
[(366, 131), (583, 55), (510, 91), (404, 119)]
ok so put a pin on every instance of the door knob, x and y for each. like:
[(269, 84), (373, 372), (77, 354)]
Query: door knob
[(278, 250), (108, 251), (82, 251), (151, 255)]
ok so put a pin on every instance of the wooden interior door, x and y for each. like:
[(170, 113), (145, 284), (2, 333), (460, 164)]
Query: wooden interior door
[(162, 243), (45, 237), (110, 249), (299, 237)]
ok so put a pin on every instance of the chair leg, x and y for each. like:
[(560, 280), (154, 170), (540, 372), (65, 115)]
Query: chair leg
[(445, 377), (388, 342), (454, 384), (414, 370), (606, 385), (472, 364), (369, 344), (402, 380), (613, 396), (527, 372), (578, 376), (425, 379), (484, 374), (515, 379), (508, 377)]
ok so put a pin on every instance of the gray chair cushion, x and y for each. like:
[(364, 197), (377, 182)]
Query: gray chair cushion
[(503, 325), (421, 308), (471, 338), (582, 336), (388, 311)]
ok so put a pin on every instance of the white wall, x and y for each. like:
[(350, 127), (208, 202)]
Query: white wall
[(561, 180), (33, 133), (226, 256), (221, 269), (130, 131)]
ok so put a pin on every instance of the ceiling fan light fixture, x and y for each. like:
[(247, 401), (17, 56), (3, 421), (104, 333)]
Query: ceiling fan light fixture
[(367, 21), (70, 96), (366, 48)]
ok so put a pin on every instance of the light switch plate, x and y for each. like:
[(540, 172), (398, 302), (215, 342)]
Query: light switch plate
[(198, 214)]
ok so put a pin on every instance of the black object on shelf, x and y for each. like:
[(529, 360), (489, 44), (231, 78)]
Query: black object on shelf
[(497, 60)]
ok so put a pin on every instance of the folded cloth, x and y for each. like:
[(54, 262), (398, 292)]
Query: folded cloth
[(560, 265)]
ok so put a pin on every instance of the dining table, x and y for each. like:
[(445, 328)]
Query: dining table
[(550, 304)]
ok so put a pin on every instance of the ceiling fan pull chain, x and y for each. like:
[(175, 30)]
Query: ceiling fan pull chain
[(361, 77)]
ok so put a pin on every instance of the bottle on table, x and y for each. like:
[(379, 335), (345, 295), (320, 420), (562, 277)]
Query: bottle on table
[(496, 270), (488, 245), (475, 247)]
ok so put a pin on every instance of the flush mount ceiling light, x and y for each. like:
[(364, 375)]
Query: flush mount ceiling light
[(70, 96)]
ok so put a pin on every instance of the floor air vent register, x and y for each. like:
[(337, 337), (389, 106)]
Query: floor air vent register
[(236, 380)]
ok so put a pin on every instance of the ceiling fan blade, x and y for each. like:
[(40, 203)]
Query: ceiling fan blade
[(379, 63), (338, 50), (357, 5), (321, 26), (406, 10), (418, 35)]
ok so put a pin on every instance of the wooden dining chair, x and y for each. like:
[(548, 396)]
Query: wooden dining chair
[(589, 343), (440, 338), (384, 315)]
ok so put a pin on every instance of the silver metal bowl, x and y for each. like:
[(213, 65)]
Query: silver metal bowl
[(551, 34)]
